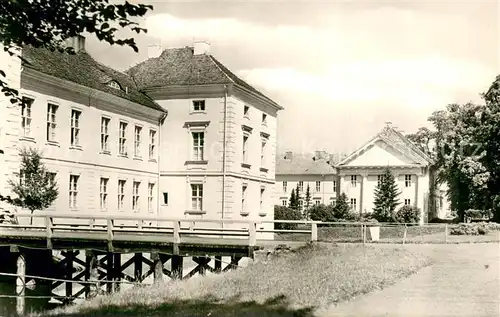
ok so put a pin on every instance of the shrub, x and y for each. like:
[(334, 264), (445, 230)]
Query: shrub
[(407, 214), (478, 214), (285, 213), (470, 229), (321, 213)]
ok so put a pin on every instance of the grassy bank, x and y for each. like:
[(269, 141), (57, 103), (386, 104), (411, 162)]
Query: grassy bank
[(293, 284)]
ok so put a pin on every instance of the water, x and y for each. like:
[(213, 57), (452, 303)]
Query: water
[(35, 300)]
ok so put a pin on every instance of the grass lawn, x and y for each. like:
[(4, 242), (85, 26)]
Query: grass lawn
[(292, 284)]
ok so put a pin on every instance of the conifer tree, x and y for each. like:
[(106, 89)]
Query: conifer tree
[(386, 197), (342, 210), (293, 203)]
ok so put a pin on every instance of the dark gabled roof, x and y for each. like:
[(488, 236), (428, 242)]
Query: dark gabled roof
[(303, 165), (82, 69), (180, 67)]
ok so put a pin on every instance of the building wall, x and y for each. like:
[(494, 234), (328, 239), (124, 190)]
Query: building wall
[(328, 188), (86, 160)]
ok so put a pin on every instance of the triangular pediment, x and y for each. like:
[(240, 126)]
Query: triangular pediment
[(378, 153)]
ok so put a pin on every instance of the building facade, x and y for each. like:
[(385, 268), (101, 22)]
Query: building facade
[(178, 135), (358, 174)]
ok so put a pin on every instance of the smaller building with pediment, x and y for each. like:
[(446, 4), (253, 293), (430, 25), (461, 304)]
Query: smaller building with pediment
[(358, 174)]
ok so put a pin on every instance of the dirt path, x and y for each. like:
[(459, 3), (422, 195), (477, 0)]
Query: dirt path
[(463, 281)]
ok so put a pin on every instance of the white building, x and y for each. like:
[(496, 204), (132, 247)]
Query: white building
[(178, 135)]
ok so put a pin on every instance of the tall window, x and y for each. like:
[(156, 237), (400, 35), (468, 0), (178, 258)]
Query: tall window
[(285, 187), (407, 201), (317, 202), (408, 180), (122, 139), (75, 127), (301, 186), (334, 186), (151, 187), (73, 190), (245, 111), (262, 191), (318, 186), (264, 118), (197, 197), (243, 197), (52, 177), (135, 196), (198, 144), (121, 193), (262, 152), (152, 144), (284, 202), (26, 116), (198, 105), (51, 122), (104, 193), (353, 204), (105, 134), (245, 148), (354, 180), (137, 140)]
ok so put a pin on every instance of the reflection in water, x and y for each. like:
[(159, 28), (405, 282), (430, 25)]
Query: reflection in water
[(35, 300)]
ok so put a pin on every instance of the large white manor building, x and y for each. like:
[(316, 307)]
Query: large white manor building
[(178, 135)]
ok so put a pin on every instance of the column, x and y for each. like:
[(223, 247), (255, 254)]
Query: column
[(364, 194)]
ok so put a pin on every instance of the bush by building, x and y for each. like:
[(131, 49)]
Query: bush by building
[(285, 213)]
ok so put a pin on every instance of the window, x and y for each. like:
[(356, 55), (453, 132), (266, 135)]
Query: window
[(104, 193), (75, 127), (353, 204), (317, 202), (114, 84), (407, 180), (52, 177), (197, 197), (135, 196), (198, 105), (333, 201), (51, 122), (262, 191), (318, 186), (105, 134), (198, 144), (284, 202), (245, 148), (264, 119), (165, 198), (262, 152), (243, 197), (151, 187), (354, 180), (73, 190), (122, 139), (121, 193), (26, 116), (152, 144), (137, 140), (407, 202), (245, 111), (334, 186), (285, 187), (301, 186)]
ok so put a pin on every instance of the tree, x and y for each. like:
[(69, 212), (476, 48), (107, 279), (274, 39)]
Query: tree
[(407, 214), (49, 23), (298, 197), (294, 202), (36, 188), (342, 210), (285, 213), (307, 202), (321, 213), (386, 197)]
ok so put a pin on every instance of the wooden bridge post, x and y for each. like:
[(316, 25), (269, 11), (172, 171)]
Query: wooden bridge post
[(117, 272), (314, 232), (69, 273), (138, 267), (91, 274), (218, 264), (177, 237), (177, 267), (109, 271), (157, 267), (49, 224), (110, 234), (21, 285)]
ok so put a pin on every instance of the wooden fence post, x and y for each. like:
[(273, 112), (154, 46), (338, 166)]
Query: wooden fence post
[(363, 232), (314, 232), (50, 231), (110, 234), (445, 233), (404, 234)]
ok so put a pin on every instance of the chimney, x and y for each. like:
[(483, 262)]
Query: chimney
[(288, 155), (388, 124), (320, 155), (77, 43), (201, 47), (154, 51)]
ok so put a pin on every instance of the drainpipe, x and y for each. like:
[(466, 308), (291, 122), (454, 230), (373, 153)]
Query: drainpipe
[(224, 155), (160, 124)]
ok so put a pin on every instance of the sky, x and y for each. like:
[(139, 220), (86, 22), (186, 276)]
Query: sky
[(341, 69)]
